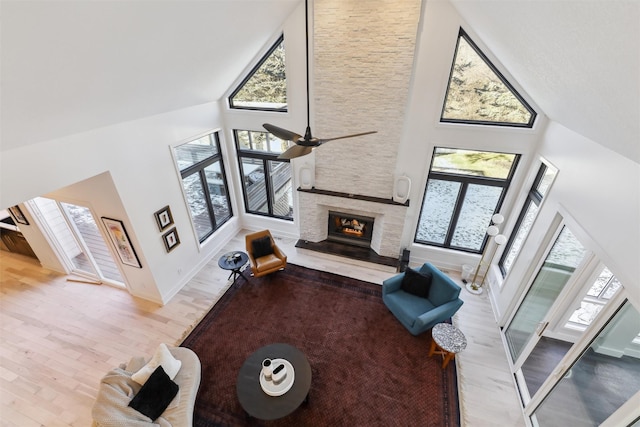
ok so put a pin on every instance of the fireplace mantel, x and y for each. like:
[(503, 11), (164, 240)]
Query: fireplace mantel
[(353, 196), (390, 217)]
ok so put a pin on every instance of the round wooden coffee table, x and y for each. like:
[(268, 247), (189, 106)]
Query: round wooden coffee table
[(255, 401)]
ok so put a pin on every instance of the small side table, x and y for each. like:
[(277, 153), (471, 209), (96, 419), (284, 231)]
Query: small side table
[(447, 341), (234, 261)]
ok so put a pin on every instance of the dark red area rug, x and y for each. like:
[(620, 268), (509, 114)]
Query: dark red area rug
[(368, 370)]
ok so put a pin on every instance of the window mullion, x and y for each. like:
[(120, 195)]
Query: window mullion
[(207, 197), (269, 185), (456, 214), (198, 166)]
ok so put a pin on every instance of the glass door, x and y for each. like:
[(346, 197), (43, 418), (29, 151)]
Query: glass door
[(91, 239), (600, 380), (530, 318), (571, 326), (75, 235)]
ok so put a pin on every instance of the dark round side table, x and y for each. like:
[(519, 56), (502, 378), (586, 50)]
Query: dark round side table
[(255, 401), (234, 261)]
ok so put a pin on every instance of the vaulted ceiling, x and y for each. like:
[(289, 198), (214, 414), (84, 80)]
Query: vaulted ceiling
[(68, 67), (72, 66)]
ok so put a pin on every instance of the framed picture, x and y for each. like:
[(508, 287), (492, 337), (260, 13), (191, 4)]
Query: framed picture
[(18, 215), (164, 218), (171, 239), (121, 242)]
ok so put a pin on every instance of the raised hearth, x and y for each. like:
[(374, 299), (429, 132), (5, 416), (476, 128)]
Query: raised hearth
[(349, 251), (386, 232)]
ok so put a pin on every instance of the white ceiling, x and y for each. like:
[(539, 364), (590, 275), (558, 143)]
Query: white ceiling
[(579, 61), (71, 66)]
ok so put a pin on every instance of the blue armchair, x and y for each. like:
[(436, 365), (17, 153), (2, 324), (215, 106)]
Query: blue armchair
[(419, 314)]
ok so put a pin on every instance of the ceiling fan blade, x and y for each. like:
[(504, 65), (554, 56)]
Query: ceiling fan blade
[(295, 151), (287, 135), (322, 141)]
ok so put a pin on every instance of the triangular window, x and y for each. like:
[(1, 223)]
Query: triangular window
[(265, 88), (479, 94)]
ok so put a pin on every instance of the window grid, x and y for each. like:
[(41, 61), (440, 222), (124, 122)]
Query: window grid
[(527, 216), (601, 291), (266, 180), (205, 185), (448, 218)]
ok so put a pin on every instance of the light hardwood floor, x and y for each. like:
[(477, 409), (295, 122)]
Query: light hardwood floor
[(58, 338)]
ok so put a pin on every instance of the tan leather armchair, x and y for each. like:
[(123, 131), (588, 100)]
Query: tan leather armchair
[(264, 255)]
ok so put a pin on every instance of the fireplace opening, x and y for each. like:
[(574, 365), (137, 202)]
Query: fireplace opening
[(351, 229)]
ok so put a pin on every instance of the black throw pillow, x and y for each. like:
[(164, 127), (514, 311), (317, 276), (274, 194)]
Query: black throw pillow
[(416, 283), (261, 247), (155, 395)]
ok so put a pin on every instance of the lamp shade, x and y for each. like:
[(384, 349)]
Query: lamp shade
[(492, 230), (497, 219), (500, 239)]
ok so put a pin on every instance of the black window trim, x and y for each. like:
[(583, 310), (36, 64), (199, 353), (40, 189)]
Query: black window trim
[(465, 180), (199, 169), (265, 157), (250, 75), (513, 90), (534, 196)]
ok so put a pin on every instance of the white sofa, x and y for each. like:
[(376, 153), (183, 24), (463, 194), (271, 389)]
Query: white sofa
[(117, 389)]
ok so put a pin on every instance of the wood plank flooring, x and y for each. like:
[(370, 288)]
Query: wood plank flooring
[(58, 338)]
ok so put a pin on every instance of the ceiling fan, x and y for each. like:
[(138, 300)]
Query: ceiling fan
[(304, 144)]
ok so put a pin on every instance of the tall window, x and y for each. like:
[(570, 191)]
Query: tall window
[(529, 211), (266, 181), (205, 183), (265, 88), (477, 92), (464, 189)]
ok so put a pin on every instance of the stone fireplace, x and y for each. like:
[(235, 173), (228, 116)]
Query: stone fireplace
[(387, 218), (360, 82)]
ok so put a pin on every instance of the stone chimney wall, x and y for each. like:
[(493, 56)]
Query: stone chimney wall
[(362, 62), (363, 58)]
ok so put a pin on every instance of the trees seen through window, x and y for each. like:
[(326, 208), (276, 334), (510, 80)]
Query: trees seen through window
[(265, 88), (477, 93)]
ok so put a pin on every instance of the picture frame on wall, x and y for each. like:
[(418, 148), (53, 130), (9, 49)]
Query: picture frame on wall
[(164, 218), (18, 215), (121, 242), (171, 239)]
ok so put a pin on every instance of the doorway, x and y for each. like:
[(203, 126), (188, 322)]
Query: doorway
[(531, 317), (74, 234), (600, 378), (565, 371)]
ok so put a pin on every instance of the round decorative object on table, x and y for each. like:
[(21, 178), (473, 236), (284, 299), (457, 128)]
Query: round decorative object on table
[(253, 397), (234, 261), (447, 341), (273, 388)]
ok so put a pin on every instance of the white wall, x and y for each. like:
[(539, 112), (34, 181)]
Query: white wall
[(127, 172), (598, 188), (142, 179), (294, 119), (598, 192)]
